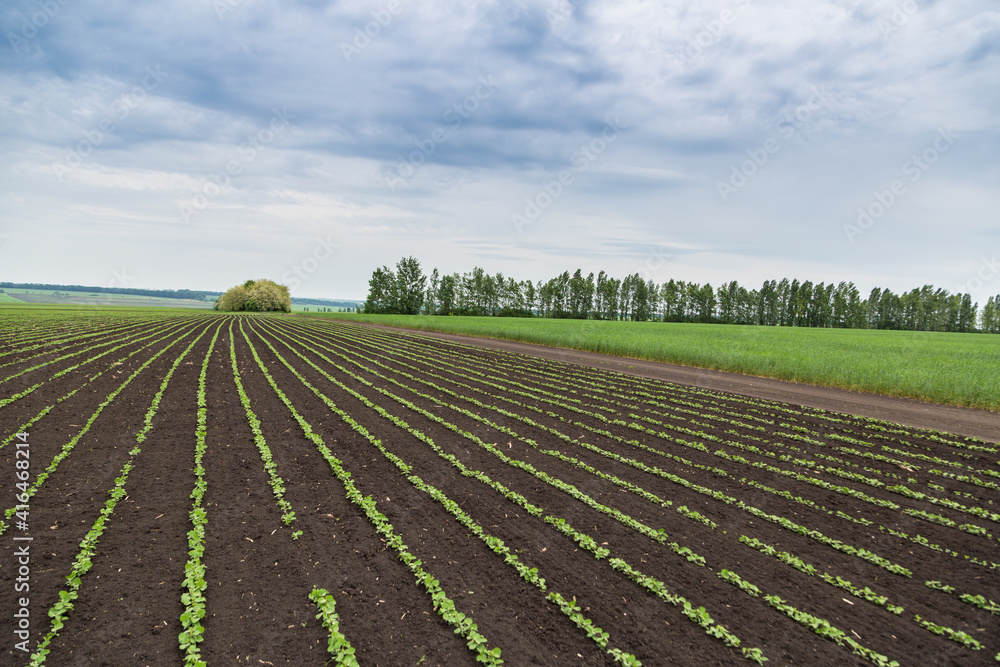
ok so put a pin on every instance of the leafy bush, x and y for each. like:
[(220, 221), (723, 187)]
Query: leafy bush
[(256, 296)]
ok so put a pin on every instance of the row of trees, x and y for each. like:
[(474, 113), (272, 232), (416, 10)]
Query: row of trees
[(784, 302)]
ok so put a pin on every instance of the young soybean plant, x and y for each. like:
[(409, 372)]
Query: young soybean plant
[(338, 646)]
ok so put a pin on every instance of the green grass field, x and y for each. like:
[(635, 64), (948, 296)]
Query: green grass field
[(950, 368)]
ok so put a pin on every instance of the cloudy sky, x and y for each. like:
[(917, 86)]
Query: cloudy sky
[(196, 143)]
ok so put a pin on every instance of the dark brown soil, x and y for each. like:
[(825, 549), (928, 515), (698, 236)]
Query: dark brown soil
[(536, 411)]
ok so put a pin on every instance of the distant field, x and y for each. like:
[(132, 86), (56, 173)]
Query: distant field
[(309, 308), (41, 296), (950, 368), (55, 309)]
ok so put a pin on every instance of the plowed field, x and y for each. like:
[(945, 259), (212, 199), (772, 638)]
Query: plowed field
[(210, 489)]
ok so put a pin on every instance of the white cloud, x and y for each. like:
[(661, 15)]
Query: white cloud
[(698, 87)]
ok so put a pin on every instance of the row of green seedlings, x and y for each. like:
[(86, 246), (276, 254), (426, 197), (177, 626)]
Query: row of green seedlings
[(274, 479), (875, 428), (83, 562), (975, 600), (873, 597), (657, 588), (880, 427), (17, 328), (927, 544), (24, 392), (945, 521), (836, 471), (340, 649), (115, 333), (773, 443), (908, 453), (76, 353), (573, 461), (793, 436), (584, 541), (594, 632), (788, 495), (821, 483), (578, 424), (820, 626), (31, 422), (902, 490), (536, 368), (67, 448), (443, 605), (88, 380), (33, 328), (194, 583), (571, 609), (26, 426), (794, 561), (957, 636), (917, 539), (798, 529), (496, 545), (524, 406), (631, 384), (968, 479), (970, 528), (698, 446), (945, 502), (843, 490), (815, 535), (961, 494), (621, 517)]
